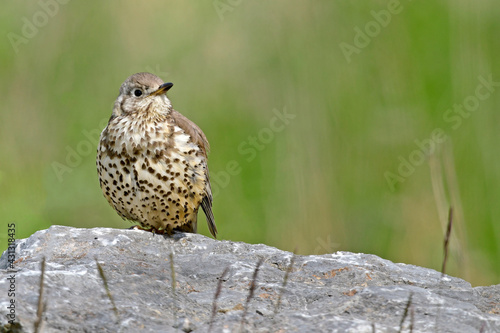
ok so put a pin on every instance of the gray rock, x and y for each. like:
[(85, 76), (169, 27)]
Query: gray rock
[(339, 292)]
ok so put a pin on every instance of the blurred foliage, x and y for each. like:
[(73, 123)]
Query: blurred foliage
[(316, 182)]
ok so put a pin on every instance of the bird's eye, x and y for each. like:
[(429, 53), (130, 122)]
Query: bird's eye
[(137, 92)]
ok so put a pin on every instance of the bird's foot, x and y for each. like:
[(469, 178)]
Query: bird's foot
[(150, 229)]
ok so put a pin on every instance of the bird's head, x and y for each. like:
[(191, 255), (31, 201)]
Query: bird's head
[(142, 92)]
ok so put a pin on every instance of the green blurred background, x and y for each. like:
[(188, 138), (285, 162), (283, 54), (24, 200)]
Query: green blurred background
[(316, 183)]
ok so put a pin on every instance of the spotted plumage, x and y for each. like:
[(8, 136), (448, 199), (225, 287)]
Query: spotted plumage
[(152, 161)]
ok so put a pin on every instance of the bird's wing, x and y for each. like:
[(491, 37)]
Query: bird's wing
[(190, 128), (199, 138)]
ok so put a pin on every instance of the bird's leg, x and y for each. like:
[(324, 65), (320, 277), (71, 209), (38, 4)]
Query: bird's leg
[(150, 229)]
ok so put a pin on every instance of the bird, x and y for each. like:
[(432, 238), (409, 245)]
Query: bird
[(152, 160)]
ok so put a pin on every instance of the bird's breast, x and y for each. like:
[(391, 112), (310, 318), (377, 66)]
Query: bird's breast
[(126, 135), (154, 167)]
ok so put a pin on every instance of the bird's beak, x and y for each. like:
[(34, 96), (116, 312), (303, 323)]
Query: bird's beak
[(163, 89)]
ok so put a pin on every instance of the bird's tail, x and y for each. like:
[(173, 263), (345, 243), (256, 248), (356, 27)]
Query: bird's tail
[(207, 208)]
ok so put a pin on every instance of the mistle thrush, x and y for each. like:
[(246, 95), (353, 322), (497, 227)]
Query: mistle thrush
[(152, 161)]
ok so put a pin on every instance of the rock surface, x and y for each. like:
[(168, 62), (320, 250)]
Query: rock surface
[(339, 292)]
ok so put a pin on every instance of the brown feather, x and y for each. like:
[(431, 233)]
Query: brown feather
[(199, 138), (192, 130)]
